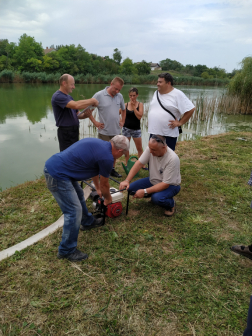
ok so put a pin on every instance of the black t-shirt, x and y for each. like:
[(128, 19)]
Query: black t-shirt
[(131, 121), (63, 116)]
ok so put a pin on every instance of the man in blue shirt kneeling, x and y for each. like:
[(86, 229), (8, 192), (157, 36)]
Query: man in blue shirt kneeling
[(87, 158)]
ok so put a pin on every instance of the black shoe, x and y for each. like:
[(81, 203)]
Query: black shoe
[(77, 255), (114, 173), (96, 223), (242, 250)]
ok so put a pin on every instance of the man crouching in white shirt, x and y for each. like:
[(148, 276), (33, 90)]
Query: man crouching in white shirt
[(164, 178), (162, 122)]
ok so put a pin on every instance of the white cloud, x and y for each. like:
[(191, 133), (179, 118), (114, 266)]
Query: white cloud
[(199, 31)]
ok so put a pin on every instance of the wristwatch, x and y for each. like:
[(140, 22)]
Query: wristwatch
[(145, 192)]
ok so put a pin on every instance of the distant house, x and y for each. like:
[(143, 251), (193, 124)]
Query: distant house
[(48, 50), (155, 66)]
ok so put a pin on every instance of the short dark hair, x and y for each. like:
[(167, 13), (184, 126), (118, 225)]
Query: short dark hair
[(133, 89), (167, 77)]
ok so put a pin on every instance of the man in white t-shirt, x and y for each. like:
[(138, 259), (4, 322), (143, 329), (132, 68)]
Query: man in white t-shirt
[(162, 122), (164, 180)]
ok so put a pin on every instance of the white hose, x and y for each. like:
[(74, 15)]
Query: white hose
[(40, 235)]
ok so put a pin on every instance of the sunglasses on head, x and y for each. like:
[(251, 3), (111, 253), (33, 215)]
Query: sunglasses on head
[(157, 139)]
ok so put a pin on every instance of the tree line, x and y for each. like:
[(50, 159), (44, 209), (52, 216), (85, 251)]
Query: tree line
[(28, 56), (196, 70)]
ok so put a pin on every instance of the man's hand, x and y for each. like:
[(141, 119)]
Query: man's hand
[(121, 123), (86, 114), (174, 123), (123, 185), (99, 125), (107, 201), (139, 194)]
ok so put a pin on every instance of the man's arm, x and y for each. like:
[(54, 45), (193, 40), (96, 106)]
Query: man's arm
[(187, 115), (156, 188), (134, 170), (122, 121), (104, 184), (96, 123), (82, 104), (84, 115), (97, 185)]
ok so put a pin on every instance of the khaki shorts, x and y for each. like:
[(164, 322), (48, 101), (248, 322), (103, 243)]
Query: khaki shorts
[(105, 137)]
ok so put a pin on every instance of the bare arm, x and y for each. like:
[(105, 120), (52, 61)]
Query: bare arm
[(122, 121), (82, 104), (85, 115), (96, 123), (156, 188), (187, 115), (135, 169), (97, 185), (139, 113), (104, 184)]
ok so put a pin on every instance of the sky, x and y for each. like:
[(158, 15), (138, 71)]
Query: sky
[(214, 33)]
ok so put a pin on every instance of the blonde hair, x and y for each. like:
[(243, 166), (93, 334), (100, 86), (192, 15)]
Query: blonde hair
[(119, 80)]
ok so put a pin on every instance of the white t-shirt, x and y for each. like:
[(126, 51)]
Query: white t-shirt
[(165, 168), (158, 119)]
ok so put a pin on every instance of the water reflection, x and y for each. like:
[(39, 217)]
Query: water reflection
[(28, 132)]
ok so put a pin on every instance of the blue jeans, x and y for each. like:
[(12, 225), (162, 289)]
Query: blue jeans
[(70, 197), (162, 198)]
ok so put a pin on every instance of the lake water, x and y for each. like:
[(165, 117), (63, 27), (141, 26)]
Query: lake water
[(28, 135)]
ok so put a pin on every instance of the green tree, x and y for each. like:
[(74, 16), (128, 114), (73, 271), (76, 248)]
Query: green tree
[(143, 68), (169, 64), (205, 75), (49, 64), (127, 67), (241, 84), (117, 56), (28, 49)]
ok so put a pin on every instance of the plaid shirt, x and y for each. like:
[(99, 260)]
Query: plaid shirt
[(250, 180)]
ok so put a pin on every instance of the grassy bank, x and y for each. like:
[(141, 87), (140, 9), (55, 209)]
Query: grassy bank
[(9, 76), (146, 274)]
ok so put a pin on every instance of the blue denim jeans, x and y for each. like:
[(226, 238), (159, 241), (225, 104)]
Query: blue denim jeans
[(70, 197), (162, 198)]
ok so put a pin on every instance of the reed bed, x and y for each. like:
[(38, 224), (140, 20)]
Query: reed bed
[(9, 76)]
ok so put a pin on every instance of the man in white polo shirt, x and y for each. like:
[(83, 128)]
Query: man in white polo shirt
[(162, 122), (164, 180), (110, 101)]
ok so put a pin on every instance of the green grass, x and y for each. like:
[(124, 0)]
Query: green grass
[(146, 274)]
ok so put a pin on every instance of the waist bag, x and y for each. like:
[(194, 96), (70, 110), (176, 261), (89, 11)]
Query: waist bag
[(179, 127)]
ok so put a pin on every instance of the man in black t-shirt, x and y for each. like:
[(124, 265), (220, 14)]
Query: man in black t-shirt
[(66, 111)]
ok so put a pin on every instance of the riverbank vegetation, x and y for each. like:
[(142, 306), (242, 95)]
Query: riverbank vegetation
[(10, 76), (146, 274), (29, 62)]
